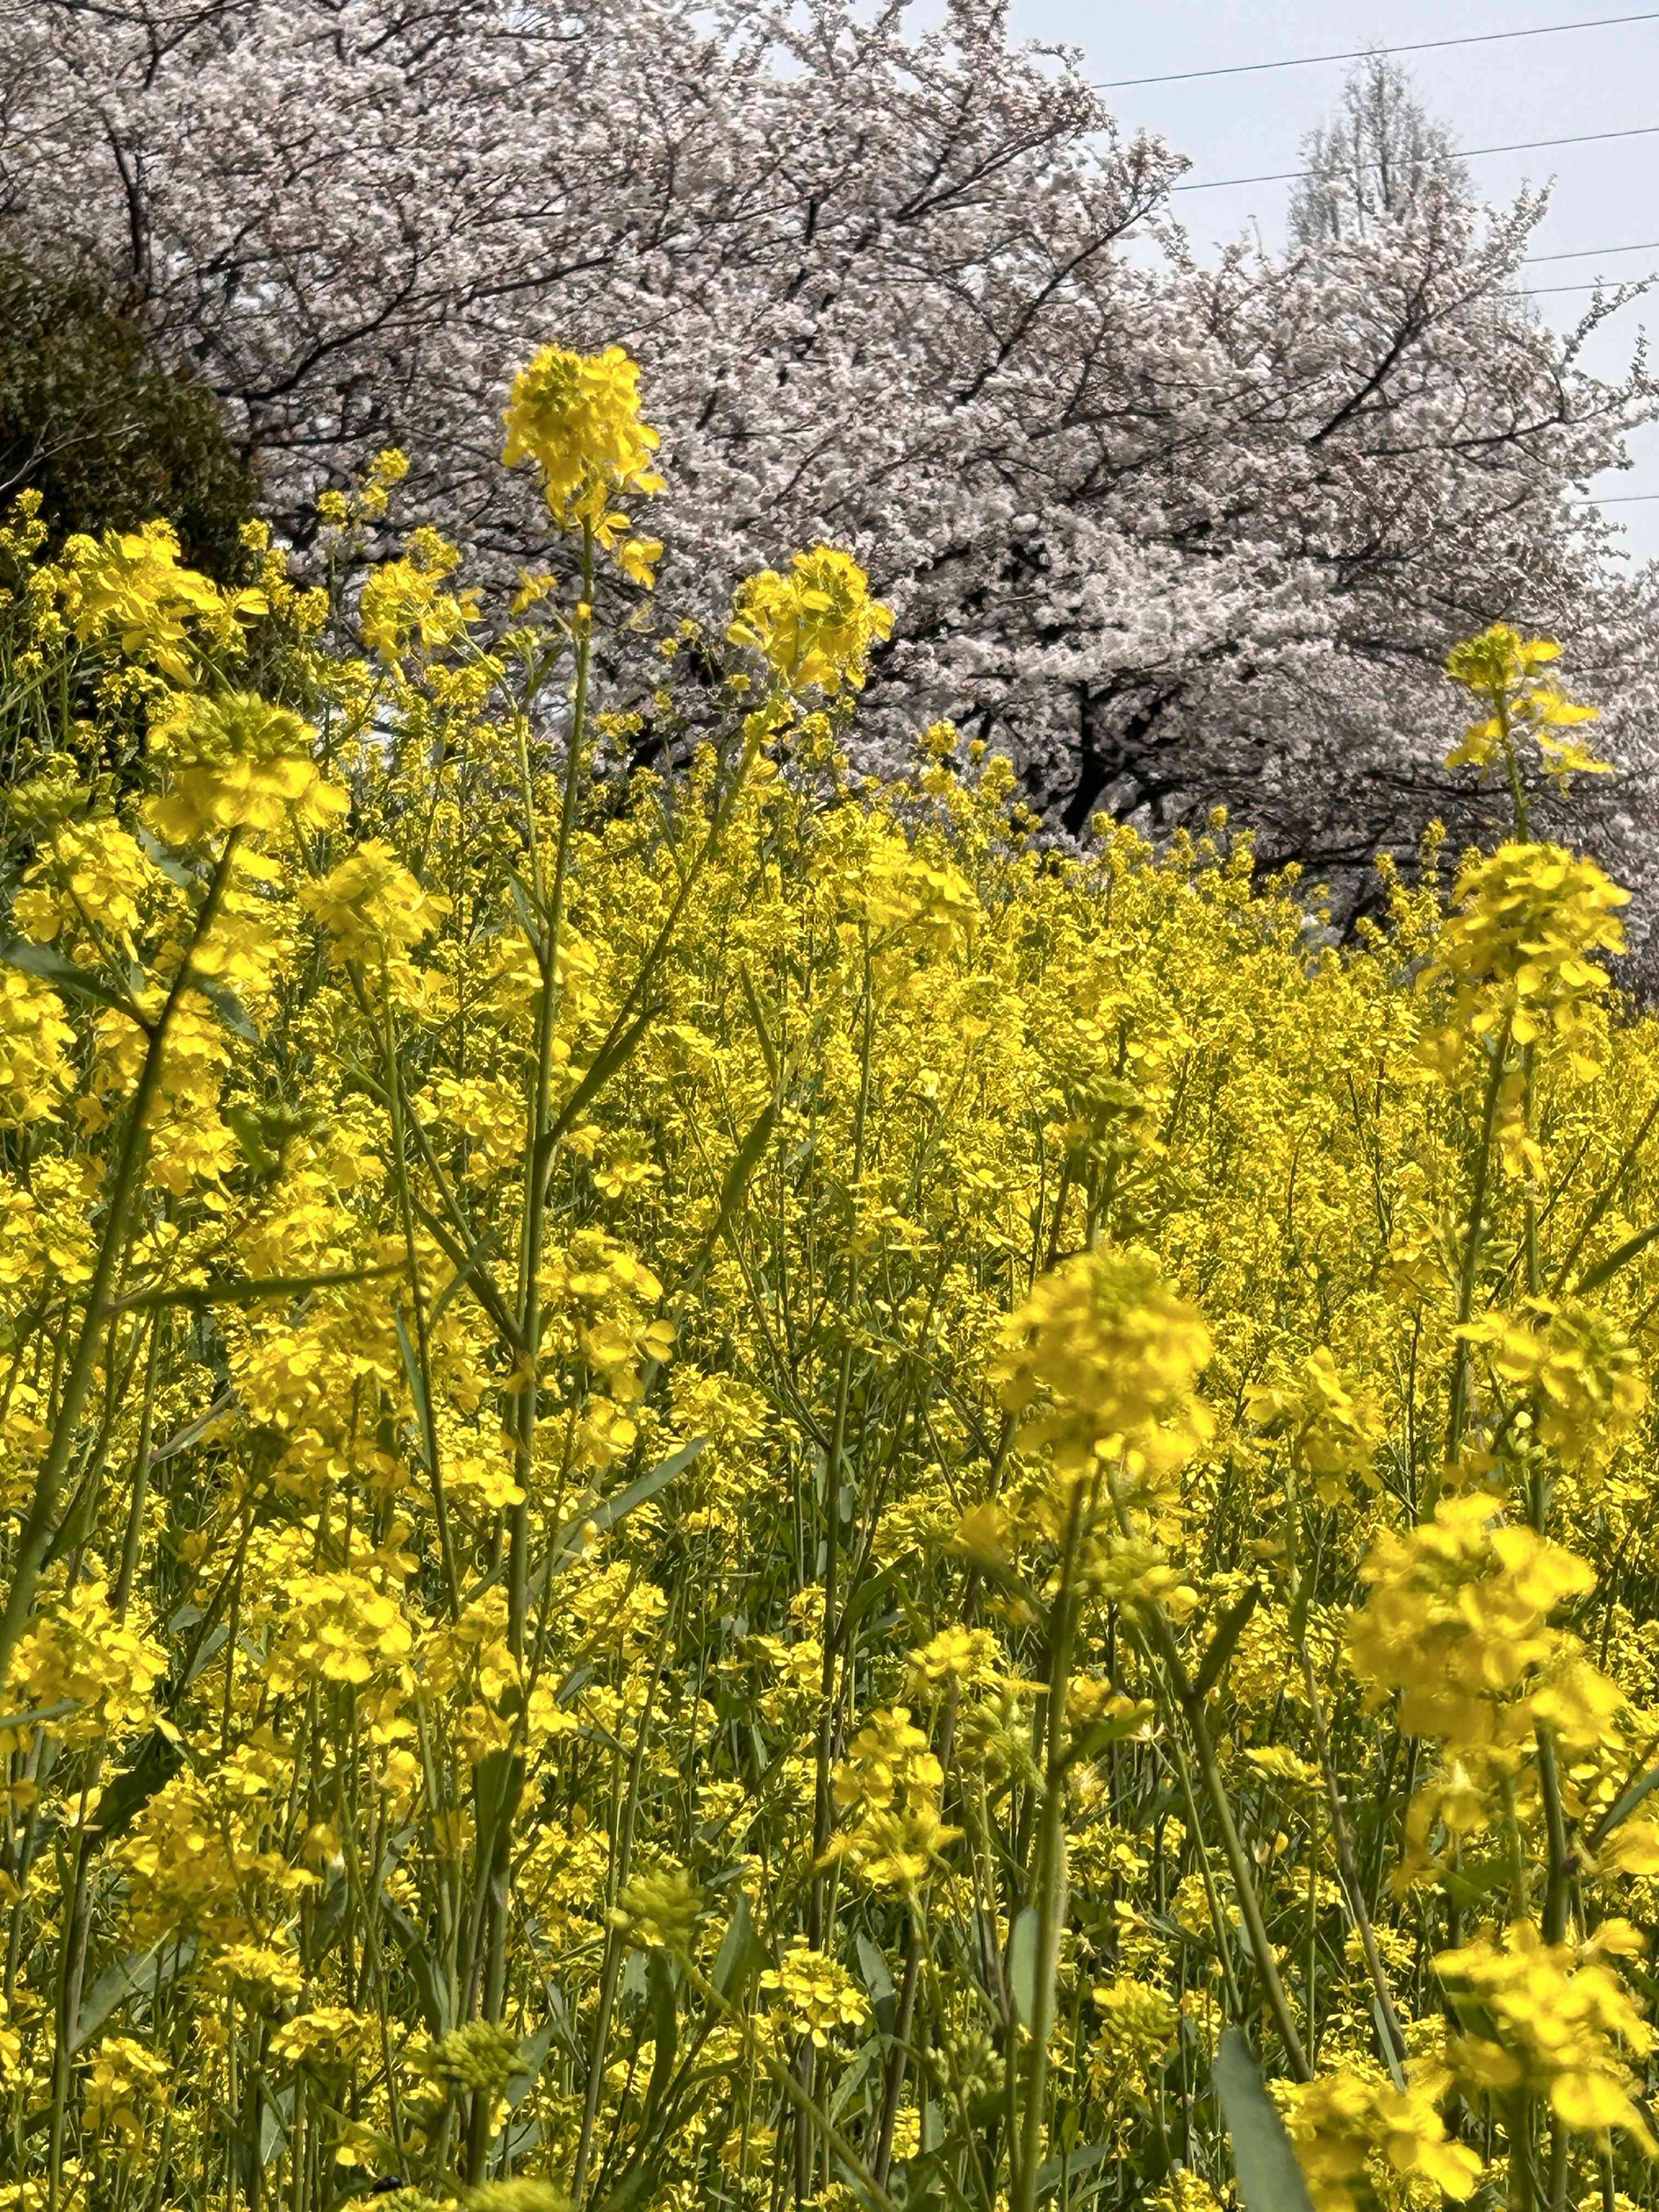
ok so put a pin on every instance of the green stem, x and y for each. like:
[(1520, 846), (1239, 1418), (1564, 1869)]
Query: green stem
[(35, 1537), (1048, 1888)]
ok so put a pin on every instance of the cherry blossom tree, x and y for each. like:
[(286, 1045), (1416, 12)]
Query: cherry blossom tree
[(1173, 534), (1375, 161)]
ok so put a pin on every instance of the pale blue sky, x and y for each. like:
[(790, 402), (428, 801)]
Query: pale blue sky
[(1605, 79)]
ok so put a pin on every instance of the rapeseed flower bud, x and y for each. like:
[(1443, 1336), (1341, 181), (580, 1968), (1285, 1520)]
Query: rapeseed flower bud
[(1139, 2023), (659, 1911), (482, 2056)]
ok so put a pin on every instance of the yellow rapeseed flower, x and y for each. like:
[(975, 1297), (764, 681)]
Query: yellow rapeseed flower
[(817, 626)]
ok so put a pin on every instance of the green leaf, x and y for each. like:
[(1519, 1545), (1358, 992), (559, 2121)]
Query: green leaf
[(768, 1054), (743, 1163), (247, 1127), (1626, 1802), (1076, 2162), (741, 1953), (879, 1983), (855, 2075), (39, 1716), (1022, 1964), (276, 2118), (925, 2171), (126, 1794), (430, 1985), (134, 1976), (229, 1008), (497, 1782), (664, 2026), (732, 1185), (53, 966), (472, 1266), (1224, 1643), (612, 1056), (72, 1528), (416, 1383), (170, 865), (629, 2190), (529, 920), (1269, 2178), (606, 1512), (250, 1291), (533, 2054)]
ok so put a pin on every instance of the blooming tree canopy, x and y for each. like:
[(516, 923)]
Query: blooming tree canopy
[(1172, 533)]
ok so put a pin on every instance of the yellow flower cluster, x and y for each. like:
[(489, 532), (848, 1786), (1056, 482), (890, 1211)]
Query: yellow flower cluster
[(816, 1997), (132, 588), (1520, 945), (815, 626), (1582, 1371), (34, 1038), (1548, 2015), (372, 908), (1456, 1619), (1500, 667), (577, 417), (1353, 2130), (1113, 1357), (231, 761)]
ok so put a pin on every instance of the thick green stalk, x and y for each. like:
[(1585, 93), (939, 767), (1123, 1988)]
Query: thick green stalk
[(1046, 1893), (426, 1409), (1470, 1269)]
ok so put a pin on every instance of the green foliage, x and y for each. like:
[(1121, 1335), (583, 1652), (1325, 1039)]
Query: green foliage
[(108, 433)]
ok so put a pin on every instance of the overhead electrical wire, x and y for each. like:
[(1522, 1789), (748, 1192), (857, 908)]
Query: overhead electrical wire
[(1363, 53), (1458, 153), (1592, 252), (1545, 291)]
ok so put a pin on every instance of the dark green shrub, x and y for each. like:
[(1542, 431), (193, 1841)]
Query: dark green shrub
[(105, 431)]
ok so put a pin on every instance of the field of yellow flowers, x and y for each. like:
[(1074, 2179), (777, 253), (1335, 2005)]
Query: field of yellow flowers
[(723, 1490)]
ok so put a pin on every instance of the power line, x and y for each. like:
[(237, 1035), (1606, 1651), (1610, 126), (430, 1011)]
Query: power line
[(1458, 153), (1545, 291), (1623, 499), (1590, 252), (1360, 54)]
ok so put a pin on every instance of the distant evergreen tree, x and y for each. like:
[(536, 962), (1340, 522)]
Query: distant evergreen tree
[(104, 430), (1377, 162)]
